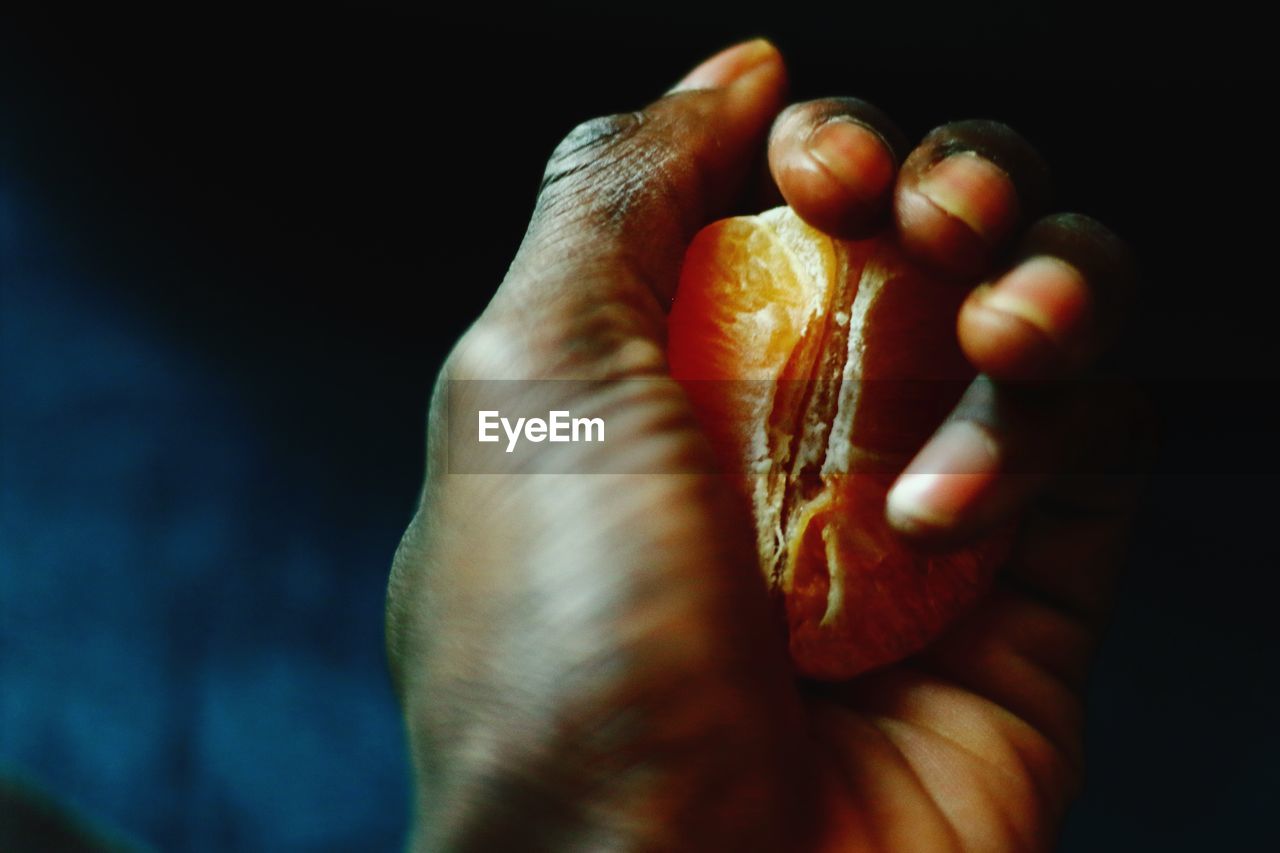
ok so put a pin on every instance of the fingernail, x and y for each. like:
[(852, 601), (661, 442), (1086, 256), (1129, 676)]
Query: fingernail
[(728, 65), (1045, 292), (855, 156), (945, 480), (975, 191)]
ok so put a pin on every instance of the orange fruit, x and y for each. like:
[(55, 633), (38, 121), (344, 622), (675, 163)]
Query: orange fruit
[(817, 366)]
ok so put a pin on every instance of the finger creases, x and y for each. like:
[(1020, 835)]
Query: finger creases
[(1055, 309), (834, 161), (962, 193), (636, 186)]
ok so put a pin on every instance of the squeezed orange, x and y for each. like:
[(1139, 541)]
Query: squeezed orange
[(817, 366)]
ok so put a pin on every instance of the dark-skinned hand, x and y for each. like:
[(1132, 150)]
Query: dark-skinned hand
[(589, 661)]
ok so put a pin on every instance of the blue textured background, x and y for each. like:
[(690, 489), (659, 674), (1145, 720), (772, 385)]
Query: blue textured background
[(190, 593)]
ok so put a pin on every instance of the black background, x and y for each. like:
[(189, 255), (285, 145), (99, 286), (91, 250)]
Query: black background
[(320, 203)]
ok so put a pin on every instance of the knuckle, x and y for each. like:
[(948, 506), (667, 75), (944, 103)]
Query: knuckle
[(1003, 146), (843, 105), (1095, 249), (605, 170), (1078, 223), (869, 116), (588, 145), (483, 352), (807, 116), (975, 132), (1093, 234)]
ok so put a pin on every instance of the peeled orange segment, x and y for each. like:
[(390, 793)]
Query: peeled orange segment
[(745, 302), (817, 366), (857, 599)]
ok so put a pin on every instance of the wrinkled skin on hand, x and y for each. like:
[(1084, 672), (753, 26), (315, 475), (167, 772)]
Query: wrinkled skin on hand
[(590, 661)]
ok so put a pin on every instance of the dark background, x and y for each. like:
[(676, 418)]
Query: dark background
[(234, 248)]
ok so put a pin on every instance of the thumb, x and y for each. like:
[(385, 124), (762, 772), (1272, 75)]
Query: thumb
[(631, 189)]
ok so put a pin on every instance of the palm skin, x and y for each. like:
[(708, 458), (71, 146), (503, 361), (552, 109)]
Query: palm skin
[(590, 661)]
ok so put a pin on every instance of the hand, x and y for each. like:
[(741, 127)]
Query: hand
[(589, 661)]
